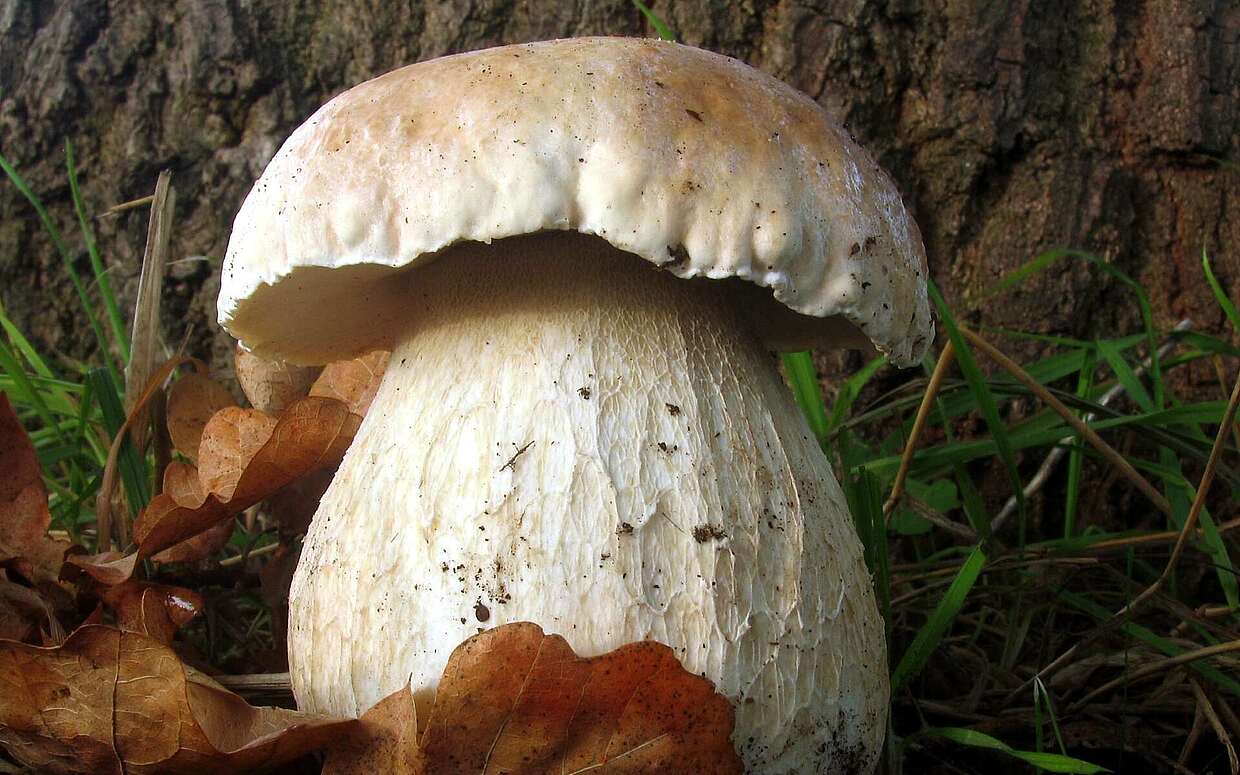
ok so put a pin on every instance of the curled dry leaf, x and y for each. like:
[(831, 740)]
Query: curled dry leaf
[(108, 701), (231, 441), (105, 567), (24, 516), (192, 401), (199, 547), (385, 741), (514, 700), (243, 461), (155, 610), (271, 385), (354, 381), (245, 457)]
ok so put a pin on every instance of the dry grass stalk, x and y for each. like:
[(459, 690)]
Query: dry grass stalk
[(1106, 450), (1155, 669), (132, 204), (107, 486), (1216, 724), (919, 424)]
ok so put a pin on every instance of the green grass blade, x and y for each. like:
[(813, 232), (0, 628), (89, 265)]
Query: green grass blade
[(1126, 375), (970, 498), (1206, 344), (985, 401), (1047, 370), (54, 233), (1180, 496), (23, 346), (1076, 455), (803, 377), (660, 26), (1147, 636), (971, 502), (1220, 295), (130, 465), (1042, 696), (1061, 341), (96, 263), (55, 392), (1042, 262), (865, 501), (1223, 162), (849, 390), (1050, 762), (23, 392), (946, 455), (86, 415), (1223, 566), (928, 637)]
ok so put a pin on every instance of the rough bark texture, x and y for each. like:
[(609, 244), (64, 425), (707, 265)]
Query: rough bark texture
[(1012, 127)]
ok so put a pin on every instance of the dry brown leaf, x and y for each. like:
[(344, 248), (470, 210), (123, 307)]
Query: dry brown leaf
[(192, 401), (108, 701), (229, 443), (200, 547), (354, 381), (243, 461), (24, 516), (246, 456), (105, 567), (184, 486), (514, 700), (155, 610), (386, 741), (271, 385), (151, 396)]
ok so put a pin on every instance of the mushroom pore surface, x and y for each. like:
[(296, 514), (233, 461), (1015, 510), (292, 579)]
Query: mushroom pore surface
[(568, 436)]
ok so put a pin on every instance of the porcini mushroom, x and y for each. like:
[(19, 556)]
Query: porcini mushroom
[(581, 424)]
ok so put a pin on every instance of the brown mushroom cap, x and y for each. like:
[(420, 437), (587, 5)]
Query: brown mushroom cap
[(694, 161)]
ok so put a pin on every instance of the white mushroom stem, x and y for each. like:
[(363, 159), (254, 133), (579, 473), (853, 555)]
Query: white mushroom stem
[(596, 446)]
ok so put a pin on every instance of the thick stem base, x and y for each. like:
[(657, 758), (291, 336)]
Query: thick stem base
[(569, 437)]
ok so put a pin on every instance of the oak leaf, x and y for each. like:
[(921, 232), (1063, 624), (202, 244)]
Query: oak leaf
[(155, 610), (244, 457), (385, 740), (192, 401), (24, 516), (108, 701), (271, 385), (354, 381), (104, 567), (517, 701), (243, 460), (199, 547)]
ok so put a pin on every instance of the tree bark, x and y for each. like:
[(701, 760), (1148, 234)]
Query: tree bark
[(1012, 127)]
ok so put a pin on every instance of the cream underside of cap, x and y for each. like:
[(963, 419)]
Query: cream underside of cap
[(691, 160)]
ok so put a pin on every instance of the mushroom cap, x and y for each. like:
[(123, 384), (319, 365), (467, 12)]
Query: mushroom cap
[(694, 161)]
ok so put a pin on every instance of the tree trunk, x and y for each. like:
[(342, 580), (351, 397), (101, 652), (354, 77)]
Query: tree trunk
[(1012, 127)]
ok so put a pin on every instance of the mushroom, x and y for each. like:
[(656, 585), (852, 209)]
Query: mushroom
[(580, 253)]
